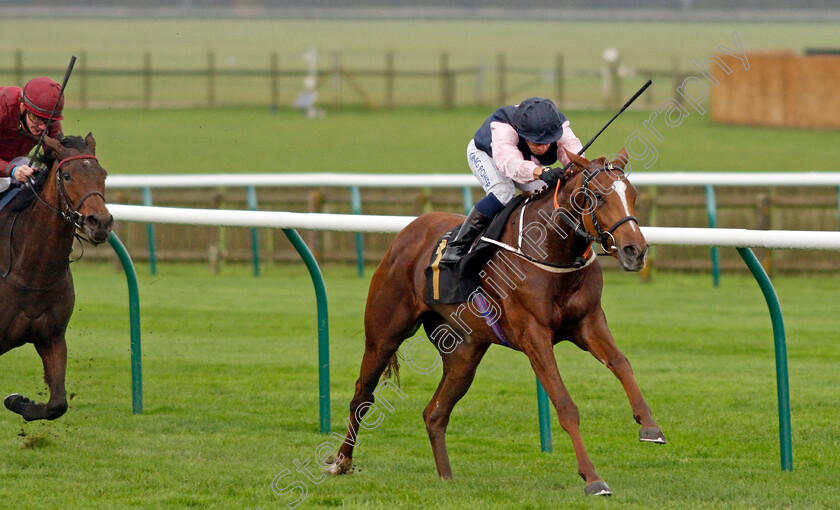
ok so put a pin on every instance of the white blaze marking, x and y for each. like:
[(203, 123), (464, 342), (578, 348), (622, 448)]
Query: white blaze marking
[(620, 189)]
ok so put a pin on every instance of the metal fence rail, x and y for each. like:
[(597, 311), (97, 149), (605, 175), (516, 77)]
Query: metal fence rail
[(708, 181)]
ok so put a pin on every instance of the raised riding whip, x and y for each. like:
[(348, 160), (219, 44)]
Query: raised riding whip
[(619, 112), (52, 114), (583, 149)]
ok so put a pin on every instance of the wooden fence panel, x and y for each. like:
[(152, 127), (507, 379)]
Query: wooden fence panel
[(779, 89)]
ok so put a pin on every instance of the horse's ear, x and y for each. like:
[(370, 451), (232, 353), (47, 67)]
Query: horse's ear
[(580, 162), (53, 146), (621, 160), (90, 142)]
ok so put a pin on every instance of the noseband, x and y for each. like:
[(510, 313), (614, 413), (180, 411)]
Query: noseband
[(604, 237), (66, 209)]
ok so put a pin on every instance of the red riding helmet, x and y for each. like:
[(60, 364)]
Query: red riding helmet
[(41, 95)]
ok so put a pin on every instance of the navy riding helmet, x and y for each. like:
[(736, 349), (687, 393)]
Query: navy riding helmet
[(538, 121)]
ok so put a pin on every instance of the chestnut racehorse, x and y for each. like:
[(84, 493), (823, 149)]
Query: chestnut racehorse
[(556, 295), (37, 230)]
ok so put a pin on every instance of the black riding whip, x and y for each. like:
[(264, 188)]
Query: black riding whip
[(626, 105), (52, 114)]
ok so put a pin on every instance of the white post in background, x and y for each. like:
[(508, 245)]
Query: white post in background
[(306, 101), (611, 84)]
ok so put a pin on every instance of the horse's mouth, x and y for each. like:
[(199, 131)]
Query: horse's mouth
[(633, 257), (97, 239)]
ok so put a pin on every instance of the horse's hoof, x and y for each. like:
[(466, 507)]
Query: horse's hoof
[(599, 488), (16, 403), (337, 467), (652, 435)]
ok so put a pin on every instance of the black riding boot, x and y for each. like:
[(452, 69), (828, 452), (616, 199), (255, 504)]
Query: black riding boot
[(458, 246)]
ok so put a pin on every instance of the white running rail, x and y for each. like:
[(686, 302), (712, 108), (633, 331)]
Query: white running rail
[(739, 238), (639, 178)]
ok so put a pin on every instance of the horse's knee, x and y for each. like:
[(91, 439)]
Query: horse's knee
[(360, 405), (568, 415), (618, 362), (56, 410), (434, 419)]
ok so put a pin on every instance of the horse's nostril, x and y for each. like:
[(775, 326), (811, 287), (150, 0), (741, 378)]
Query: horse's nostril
[(631, 250), (99, 221)]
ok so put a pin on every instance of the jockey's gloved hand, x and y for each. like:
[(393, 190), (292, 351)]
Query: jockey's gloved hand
[(553, 176)]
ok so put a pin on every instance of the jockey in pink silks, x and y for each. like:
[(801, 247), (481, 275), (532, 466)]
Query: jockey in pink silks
[(513, 149)]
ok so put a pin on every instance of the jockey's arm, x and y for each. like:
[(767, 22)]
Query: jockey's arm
[(568, 141), (507, 156)]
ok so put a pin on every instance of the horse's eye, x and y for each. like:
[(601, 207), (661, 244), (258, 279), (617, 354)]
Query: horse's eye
[(66, 176), (599, 197)]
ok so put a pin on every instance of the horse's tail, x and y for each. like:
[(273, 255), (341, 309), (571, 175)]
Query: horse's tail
[(392, 371)]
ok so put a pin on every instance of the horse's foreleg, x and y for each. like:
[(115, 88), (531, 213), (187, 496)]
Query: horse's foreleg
[(595, 336), (536, 344), (458, 374), (54, 357)]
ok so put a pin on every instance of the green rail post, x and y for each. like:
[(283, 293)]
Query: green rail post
[(782, 386), (323, 325), (467, 199), (356, 199), (544, 412), (711, 211), (150, 232), (255, 239), (134, 320)]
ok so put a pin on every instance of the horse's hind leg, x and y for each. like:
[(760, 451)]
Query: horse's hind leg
[(458, 374), (388, 322), (594, 336), (54, 357)]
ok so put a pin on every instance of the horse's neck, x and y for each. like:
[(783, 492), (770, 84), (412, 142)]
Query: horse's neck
[(561, 244), (42, 242)]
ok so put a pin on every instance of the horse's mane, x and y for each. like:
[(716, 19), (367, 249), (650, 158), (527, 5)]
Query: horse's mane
[(43, 164)]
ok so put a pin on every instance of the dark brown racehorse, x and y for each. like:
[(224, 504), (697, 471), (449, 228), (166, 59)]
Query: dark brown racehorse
[(37, 230), (553, 293)]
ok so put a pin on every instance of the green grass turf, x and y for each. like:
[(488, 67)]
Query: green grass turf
[(413, 140), (231, 401)]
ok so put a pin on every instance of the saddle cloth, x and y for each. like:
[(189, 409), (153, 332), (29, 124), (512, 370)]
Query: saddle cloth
[(7, 196), (453, 283)]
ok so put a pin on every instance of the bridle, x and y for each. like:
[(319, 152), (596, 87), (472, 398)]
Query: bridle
[(604, 237), (66, 209)]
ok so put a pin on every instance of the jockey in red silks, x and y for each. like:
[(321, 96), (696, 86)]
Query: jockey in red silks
[(512, 150), (23, 117)]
